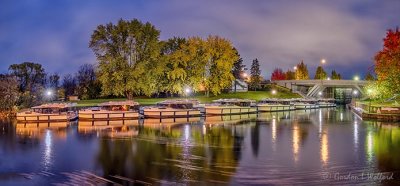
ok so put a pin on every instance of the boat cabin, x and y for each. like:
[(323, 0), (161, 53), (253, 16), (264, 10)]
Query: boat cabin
[(128, 105), (54, 108), (178, 104), (236, 102)]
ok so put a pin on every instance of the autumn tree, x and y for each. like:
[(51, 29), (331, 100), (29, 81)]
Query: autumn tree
[(387, 63), (127, 55), (320, 73), (255, 74), (290, 75), (220, 57), (278, 74), (369, 77), (301, 71)]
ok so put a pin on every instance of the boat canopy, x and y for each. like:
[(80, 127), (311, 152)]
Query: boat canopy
[(130, 103), (234, 100), (55, 106), (179, 103)]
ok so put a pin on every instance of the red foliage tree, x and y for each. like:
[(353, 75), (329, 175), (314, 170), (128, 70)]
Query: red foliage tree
[(278, 74)]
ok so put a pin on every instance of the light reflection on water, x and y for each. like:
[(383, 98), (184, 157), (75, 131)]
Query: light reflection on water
[(268, 148)]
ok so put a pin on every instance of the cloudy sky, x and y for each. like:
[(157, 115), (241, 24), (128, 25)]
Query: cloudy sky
[(347, 33)]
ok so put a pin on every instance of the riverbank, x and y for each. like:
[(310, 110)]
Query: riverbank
[(254, 95), (374, 110)]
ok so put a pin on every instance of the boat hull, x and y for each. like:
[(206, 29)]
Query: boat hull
[(108, 115), (37, 117), (274, 108), (170, 113), (224, 110)]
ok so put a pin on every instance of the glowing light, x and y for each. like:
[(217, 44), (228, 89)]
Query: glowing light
[(323, 61), (370, 144), (356, 78), (274, 130), (47, 149), (320, 93), (328, 78), (355, 92), (324, 149), (49, 93), (341, 116), (188, 90), (295, 68), (244, 74), (296, 142), (355, 132), (273, 92)]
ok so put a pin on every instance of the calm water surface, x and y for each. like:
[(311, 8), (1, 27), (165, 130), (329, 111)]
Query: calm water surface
[(314, 147)]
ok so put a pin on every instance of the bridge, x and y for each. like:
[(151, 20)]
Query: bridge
[(322, 88)]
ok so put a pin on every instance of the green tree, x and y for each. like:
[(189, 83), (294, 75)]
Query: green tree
[(238, 69), (31, 79), (335, 75), (127, 54), (301, 71), (69, 85), (320, 73), (255, 72), (175, 68)]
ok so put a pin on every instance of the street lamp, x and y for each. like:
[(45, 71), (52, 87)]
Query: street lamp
[(273, 92), (320, 93), (323, 61), (356, 78), (49, 93), (187, 91)]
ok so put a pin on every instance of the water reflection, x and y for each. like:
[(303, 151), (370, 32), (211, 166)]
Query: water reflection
[(268, 149)]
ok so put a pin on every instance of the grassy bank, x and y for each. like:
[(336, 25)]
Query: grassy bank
[(255, 95)]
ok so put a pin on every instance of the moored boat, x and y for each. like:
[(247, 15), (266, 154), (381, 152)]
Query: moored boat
[(324, 103), (274, 105), (112, 110), (49, 112), (305, 104), (230, 106), (172, 109)]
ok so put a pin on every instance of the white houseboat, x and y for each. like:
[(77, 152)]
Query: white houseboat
[(301, 104), (274, 105), (172, 109), (324, 103), (112, 110), (49, 112), (230, 106)]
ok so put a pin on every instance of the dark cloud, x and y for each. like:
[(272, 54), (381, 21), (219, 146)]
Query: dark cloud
[(278, 33)]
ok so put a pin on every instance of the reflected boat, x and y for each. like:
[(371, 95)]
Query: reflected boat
[(230, 106), (325, 103), (37, 129), (274, 105), (49, 113), (170, 121), (172, 109), (112, 128), (228, 119), (112, 110)]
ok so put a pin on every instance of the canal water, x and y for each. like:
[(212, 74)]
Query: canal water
[(313, 147)]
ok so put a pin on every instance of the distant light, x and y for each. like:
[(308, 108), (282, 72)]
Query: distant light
[(369, 91), (244, 74), (320, 93), (356, 78), (49, 93), (355, 92), (188, 90), (295, 67), (273, 92), (323, 61), (328, 78)]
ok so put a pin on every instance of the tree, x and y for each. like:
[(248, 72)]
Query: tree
[(255, 72), (335, 75), (278, 74), (53, 81), (290, 75), (175, 68), (127, 54), (220, 57), (8, 93), (69, 85), (301, 71), (369, 77), (238, 69), (87, 85), (387, 62), (320, 73), (31, 79)]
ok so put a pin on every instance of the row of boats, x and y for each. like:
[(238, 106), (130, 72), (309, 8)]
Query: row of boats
[(117, 110)]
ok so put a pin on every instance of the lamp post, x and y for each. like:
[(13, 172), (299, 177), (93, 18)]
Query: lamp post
[(187, 91), (49, 94)]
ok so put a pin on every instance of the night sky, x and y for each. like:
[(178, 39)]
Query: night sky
[(347, 33)]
